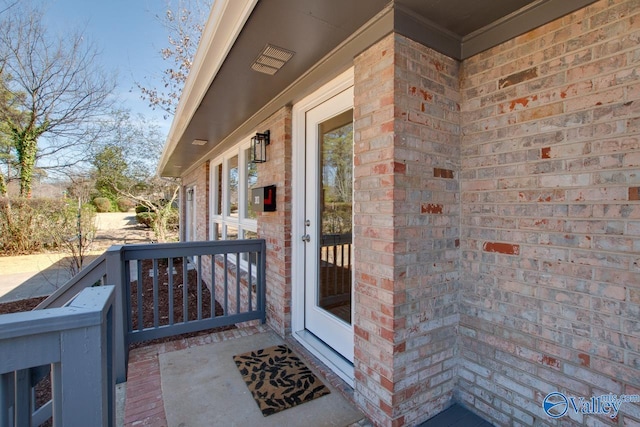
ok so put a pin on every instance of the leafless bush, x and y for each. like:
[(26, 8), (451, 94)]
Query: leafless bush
[(35, 225)]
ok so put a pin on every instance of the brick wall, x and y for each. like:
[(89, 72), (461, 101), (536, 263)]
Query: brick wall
[(550, 218), (275, 227), (200, 179), (406, 230)]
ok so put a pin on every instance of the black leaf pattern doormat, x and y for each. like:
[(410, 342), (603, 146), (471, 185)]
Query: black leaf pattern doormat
[(278, 379)]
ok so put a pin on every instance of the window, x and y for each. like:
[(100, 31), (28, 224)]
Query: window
[(232, 177)]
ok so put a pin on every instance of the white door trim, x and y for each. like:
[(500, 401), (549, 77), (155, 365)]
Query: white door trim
[(329, 90), (190, 214)]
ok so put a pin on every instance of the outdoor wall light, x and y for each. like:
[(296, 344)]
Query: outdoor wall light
[(259, 147)]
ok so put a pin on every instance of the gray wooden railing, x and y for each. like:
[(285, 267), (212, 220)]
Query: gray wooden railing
[(231, 272), (75, 344)]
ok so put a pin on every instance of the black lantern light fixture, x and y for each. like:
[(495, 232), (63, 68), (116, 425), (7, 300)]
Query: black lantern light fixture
[(259, 147)]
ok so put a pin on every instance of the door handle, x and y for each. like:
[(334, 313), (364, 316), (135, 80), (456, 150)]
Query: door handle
[(306, 238)]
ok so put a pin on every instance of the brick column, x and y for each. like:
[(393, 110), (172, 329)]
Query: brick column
[(275, 227), (407, 150)]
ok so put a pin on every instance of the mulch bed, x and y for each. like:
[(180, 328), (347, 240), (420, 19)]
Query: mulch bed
[(21, 305), (163, 300), (43, 389)]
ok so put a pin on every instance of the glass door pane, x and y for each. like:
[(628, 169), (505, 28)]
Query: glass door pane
[(335, 210)]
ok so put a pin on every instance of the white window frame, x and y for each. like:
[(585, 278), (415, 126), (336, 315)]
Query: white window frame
[(224, 219)]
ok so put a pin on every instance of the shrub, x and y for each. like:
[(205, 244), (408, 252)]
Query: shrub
[(141, 208), (173, 220), (102, 204), (33, 225), (22, 225), (148, 219), (124, 205), (145, 218)]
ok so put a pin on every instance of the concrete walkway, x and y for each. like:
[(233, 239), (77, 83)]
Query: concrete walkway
[(29, 276)]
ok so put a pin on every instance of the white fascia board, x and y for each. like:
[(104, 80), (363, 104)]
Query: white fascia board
[(225, 22)]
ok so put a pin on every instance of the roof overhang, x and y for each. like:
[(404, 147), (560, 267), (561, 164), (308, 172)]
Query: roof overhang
[(224, 98)]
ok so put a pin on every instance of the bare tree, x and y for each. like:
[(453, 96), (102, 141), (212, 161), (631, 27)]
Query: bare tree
[(8, 4), (158, 197), (184, 21), (124, 164), (58, 89)]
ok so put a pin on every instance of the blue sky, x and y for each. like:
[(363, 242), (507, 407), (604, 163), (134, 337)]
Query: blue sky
[(129, 36)]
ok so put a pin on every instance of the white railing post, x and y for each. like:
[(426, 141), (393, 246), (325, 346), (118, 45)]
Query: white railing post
[(116, 276)]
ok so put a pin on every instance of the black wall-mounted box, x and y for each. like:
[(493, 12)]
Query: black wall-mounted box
[(263, 199)]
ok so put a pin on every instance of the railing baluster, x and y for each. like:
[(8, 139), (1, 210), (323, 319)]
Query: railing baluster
[(127, 292), (250, 283), (139, 286), (212, 279), (56, 391), (156, 309), (226, 284), (349, 261), (170, 289), (212, 294), (262, 269), (199, 281), (238, 282), (185, 290), (23, 397), (336, 270), (7, 395), (342, 268)]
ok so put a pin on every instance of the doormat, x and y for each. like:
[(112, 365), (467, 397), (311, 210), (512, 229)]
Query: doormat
[(278, 379)]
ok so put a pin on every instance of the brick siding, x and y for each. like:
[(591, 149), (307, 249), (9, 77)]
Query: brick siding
[(550, 240), (406, 236), (275, 227)]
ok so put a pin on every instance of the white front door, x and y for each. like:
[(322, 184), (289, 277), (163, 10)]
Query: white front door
[(328, 249)]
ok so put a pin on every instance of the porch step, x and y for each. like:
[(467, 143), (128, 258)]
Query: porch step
[(456, 416)]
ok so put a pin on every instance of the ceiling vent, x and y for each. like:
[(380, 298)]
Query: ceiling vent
[(271, 59)]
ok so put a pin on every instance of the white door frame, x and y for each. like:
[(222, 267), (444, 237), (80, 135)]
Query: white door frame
[(190, 214), (340, 366)]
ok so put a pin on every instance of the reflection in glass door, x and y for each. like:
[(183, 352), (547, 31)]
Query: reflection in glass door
[(335, 210), (328, 222)]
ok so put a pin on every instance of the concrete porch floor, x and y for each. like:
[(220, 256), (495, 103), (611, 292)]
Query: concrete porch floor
[(194, 382)]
